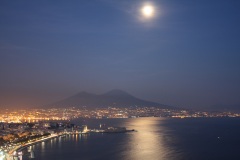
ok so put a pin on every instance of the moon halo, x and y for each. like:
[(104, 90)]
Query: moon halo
[(148, 11)]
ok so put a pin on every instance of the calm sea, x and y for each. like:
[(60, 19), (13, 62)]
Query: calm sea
[(155, 139)]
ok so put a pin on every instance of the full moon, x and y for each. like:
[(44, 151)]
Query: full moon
[(148, 11)]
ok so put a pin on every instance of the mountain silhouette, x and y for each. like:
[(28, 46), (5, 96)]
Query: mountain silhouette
[(113, 98), (225, 108)]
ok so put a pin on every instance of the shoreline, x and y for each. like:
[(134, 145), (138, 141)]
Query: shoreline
[(21, 147)]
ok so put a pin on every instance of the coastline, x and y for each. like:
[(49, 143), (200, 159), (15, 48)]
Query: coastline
[(13, 152)]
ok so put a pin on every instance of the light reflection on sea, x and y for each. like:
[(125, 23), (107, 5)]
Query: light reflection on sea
[(147, 143)]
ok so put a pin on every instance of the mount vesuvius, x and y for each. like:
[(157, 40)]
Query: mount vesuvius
[(113, 98)]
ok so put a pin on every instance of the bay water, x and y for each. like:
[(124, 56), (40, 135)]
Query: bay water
[(154, 139)]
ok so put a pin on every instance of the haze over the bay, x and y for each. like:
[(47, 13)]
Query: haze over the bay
[(185, 55)]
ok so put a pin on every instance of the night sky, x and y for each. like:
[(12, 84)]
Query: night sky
[(186, 55)]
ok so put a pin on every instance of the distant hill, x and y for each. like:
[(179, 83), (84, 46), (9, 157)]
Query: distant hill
[(225, 107), (113, 98)]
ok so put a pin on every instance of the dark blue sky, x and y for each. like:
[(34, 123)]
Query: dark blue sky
[(187, 55)]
